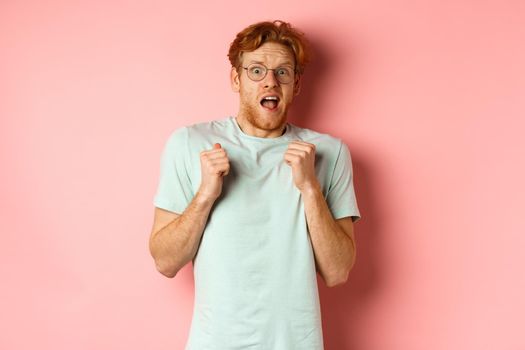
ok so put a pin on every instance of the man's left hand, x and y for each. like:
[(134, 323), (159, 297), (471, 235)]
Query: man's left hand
[(300, 156)]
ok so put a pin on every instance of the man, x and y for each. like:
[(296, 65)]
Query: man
[(259, 205)]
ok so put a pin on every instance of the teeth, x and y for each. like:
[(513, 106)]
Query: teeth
[(270, 98)]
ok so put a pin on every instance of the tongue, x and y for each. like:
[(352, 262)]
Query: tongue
[(269, 104)]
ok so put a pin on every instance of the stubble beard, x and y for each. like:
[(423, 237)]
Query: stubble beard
[(254, 117)]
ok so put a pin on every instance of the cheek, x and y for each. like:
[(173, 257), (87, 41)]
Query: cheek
[(247, 91), (250, 95), (289, 96), (247, 97)]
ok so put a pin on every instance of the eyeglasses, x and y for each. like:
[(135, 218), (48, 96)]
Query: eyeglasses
[(257, 72)]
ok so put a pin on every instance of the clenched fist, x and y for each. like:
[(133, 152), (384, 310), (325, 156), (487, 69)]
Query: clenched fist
[(300, 156), (214, 166)]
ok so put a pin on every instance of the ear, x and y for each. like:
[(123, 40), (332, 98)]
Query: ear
[(297, 85), (234, 80)]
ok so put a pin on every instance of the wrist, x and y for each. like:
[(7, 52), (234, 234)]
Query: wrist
[(203, 198), (312, 188)]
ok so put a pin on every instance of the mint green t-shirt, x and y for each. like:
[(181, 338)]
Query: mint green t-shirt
[(255, 275)]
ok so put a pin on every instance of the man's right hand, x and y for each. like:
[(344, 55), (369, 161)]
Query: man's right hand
[(214, 166), (175, 238)]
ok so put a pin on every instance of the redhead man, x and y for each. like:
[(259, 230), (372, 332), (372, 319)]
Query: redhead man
[(258, 205)]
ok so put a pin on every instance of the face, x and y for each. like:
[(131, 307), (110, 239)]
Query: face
[(260, 114)]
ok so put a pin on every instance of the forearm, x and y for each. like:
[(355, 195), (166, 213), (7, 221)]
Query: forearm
[(334, 250), (176, 244)]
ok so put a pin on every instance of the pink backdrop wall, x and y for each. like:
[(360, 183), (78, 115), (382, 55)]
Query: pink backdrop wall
[(428, 95)]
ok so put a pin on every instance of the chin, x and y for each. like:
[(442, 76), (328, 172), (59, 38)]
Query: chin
[(267, 122), (263, 120), (272, 123)]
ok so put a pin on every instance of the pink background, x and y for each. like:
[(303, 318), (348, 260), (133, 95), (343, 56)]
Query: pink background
[(428, 96)]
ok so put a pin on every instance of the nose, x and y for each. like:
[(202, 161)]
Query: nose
[(270, 80)]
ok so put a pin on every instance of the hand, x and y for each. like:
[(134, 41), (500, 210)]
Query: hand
[(214, 166), (301, 157)]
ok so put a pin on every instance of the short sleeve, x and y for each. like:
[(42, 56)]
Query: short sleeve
[(341, 195), (174, 191)]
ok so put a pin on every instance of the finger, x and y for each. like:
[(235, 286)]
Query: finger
[(216, 155), (291, 158), (213, 150), (207, 153), (223, 169), (300, 153), (219, 162), (301, 146)]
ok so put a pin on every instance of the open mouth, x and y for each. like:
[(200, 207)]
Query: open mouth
[(270, 102)]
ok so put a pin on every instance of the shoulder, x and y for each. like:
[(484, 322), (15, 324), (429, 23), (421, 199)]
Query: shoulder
[(323, 142), (202, 133), (190, 140), (197, 132)]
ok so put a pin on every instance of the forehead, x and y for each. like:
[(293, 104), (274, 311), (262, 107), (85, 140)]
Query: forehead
[(270, 52)]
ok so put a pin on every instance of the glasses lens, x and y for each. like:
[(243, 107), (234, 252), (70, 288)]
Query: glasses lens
[(284, 75), (256, 72)]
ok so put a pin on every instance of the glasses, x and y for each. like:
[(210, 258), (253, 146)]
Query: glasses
[(257, 72)]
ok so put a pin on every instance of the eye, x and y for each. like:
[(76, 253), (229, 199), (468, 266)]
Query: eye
[(256, 70), (283, 72)]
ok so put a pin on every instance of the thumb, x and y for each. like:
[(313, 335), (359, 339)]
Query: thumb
[(217, 146)]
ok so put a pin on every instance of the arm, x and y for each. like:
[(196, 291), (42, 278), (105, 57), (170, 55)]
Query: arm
[(175, 238), (332, 240)]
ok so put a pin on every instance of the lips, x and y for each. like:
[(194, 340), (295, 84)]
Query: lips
[(270, 102)]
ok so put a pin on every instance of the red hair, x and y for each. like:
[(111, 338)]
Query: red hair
[(252, 37)]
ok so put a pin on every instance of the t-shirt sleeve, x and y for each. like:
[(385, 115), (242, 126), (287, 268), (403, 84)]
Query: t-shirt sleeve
[(174, 191), (341, 195)]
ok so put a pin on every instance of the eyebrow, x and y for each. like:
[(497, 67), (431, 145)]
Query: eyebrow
[(279, 65)]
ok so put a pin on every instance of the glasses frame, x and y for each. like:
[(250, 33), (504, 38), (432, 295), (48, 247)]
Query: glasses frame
[(266, 72)]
